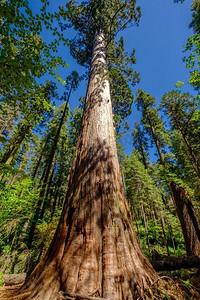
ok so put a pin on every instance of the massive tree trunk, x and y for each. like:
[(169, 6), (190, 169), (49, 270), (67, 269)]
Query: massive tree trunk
[(95, 250)]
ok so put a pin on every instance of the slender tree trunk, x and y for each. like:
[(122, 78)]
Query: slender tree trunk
[(171, 235), (46, 202), (45, 175), (95, 249), (12, 150), (53, 204), (17, 141), (40, 158), (56, 193), (137, 227), (156, 141), (141, 146), (145, 226), (188, 220), (194, 159), (164, 234)]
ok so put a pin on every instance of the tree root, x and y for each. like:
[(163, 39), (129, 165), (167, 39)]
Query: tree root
[(13, 292), (172, 289), (68, 296)]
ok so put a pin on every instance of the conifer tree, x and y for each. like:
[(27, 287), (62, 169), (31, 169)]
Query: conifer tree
[(35, 110), (140, 143), (95, 250), (181, 108), (72, 84), (153, 124), (185, 210)]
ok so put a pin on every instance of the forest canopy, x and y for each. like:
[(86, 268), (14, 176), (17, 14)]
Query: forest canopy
[(80, 214)]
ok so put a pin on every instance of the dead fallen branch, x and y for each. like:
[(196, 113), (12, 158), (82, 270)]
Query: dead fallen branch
[(175, 263)]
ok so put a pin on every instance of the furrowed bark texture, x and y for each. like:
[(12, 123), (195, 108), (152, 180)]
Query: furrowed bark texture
[(95, 250), (189, 222)]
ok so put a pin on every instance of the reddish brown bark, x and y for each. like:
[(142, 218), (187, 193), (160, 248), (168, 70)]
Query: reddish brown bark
[(95, 250), (188, 220)]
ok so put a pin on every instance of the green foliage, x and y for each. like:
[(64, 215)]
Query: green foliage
[(139, 183), (47, 158), (140, 142), (183, 167), (75, 124), (1, 278), (151, 121), (195, 24), (35, 110), (192, 61), (42, 240), (90, 17), (187, 283), (145, 193), (179, 84), (24, 56), (121, 95), (181, 109), (109, 17), (16, 209)]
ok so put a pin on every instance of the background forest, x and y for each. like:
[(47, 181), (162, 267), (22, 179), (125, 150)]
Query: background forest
[(39, 131)]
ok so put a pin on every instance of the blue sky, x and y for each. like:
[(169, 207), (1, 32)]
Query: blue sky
[(158, 41)]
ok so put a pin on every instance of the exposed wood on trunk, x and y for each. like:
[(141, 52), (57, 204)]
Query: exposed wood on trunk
[(188, 220), (176, 263)]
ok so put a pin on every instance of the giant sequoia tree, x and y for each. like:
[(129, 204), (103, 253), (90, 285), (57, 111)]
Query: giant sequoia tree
[(94, 251)]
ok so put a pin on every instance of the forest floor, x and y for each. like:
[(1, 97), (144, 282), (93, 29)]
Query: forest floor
[(188, 281)]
